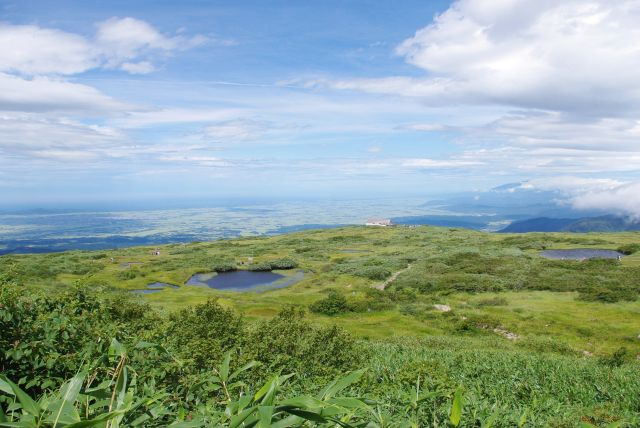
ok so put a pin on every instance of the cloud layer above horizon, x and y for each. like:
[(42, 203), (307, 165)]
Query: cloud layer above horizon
[(231, 101)]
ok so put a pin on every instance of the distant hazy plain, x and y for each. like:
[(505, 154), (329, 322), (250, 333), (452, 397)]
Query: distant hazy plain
[(44, 231)]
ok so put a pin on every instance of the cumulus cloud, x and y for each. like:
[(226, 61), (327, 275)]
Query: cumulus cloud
[(46, 94), (32, 50), (624, 200), (121, 40), (126, 43), (570, 56)]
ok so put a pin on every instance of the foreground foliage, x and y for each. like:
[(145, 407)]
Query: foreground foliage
[(99, 358)]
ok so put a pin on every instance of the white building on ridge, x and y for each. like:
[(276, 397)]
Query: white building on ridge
[(378, 222)]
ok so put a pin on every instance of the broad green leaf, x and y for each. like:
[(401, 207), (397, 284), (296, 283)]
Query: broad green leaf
[(121, 388), (27, 403), (307, 415), (268, 386), (341, 383), (98, 420), (304, 402), (242, 369), (224, 368), (289, 421), (240, 418), (116, 350), (68, 395), (348, 403), (456, 408), (265, 413), (5, 387)]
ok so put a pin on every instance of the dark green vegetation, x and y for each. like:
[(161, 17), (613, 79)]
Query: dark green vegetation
[(128, 365), (408, 318)]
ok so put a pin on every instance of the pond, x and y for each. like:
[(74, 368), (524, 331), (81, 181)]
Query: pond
[(244, 280), (155, 287), (580, 254)]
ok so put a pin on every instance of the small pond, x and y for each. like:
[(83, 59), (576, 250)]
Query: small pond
[(580, 254), (154, 287), (244, 280)]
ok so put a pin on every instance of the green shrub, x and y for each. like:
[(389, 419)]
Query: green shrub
[(334, 304), (127, 274), (285, 263), (260, 267), (224, 266), (288, 342), (608, 295), (616, 359), (629, 249), (201, 334)]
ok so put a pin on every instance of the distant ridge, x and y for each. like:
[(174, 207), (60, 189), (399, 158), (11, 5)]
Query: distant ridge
[(606, 223)]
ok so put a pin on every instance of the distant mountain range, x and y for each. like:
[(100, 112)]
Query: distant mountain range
[(516, 208), (607, 223)]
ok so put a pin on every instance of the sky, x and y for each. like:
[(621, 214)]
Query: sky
[(206, 100)]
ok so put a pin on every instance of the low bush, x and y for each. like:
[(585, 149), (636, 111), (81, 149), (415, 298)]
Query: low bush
[(224, 266), (608, 295), (629, 249), (334, 304), (282, 264), (260, 267)]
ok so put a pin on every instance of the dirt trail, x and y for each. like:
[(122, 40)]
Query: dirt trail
[(391, 279)]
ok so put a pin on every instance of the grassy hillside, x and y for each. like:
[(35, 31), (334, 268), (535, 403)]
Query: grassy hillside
[(495, 284), (443, 327)]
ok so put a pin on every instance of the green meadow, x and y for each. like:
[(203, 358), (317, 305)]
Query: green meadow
[(490, 281), (451, 314)]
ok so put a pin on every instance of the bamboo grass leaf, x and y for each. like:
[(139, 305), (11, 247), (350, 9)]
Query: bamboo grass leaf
[(27, 403), (456, 408)]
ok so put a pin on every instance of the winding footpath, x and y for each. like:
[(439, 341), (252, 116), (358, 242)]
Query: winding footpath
[(391, 278)]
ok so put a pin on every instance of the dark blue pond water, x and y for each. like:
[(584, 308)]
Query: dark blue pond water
[(243, 280), (580, 254)]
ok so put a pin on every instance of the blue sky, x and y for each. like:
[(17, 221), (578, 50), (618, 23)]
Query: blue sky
[(123, 101)]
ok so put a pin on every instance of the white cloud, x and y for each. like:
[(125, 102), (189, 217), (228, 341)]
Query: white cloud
[(122, 40), (440, 163), (32, 135), (425, 127), (142, 67), (40, 94), (571, 184), (624, 199), (236, 130), (33, 50), (573, 56), (126, 43)]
